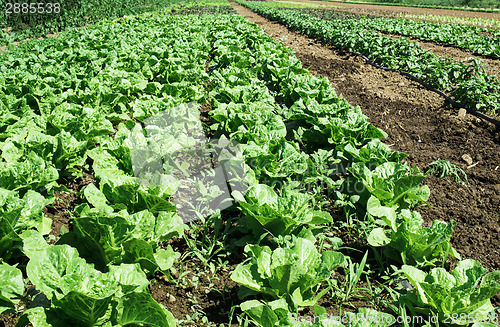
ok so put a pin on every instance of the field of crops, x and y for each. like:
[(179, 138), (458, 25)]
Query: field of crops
[(180, 167)]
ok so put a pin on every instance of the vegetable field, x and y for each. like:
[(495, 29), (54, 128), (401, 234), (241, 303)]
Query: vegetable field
[(186, 166)]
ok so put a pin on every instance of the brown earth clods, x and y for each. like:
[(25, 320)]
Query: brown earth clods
[(211, 296), (419, 123)]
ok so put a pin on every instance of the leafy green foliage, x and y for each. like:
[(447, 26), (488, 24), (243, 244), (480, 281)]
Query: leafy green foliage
[(444, 168), (294, 270), (465, 290), (391, 187), (66, 106), (20, 214), (445, 4), (70, 13), (412, 243), (277, 313), (462, 36), (11, 287), (278, 213), (374, 152), (203, 10), (86, 296), (69, 105), (104, 238)]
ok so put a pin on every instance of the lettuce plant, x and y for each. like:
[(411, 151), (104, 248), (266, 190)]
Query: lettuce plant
[(18, 214), (458, 297), (412, 243), (77, 294), (374, 152), (11, 287), (278, 313), (294, 270), (105, 238), (278, 213), (392, 186)]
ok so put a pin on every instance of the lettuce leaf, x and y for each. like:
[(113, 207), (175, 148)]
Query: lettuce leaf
[(296, 270), (466, 289), (11, 287), (85, 296), (279, 214)]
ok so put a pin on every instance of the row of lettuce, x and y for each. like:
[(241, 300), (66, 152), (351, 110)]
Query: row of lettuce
[(479, 5), (468, 82), (61, 101), (74, 105)]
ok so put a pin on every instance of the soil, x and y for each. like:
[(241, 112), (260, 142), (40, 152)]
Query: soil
[(384, 10), (9, 319), (419, 123), (201, 293), (64, 203)]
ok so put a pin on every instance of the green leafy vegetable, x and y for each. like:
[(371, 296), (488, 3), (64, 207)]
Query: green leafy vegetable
[(295, 270), (467, 289), (86, 296), (412, 243), (11, 287), (278, 213)]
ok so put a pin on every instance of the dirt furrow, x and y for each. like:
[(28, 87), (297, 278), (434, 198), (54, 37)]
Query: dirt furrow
[(384, 10)]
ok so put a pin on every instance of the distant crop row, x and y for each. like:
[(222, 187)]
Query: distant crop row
[(476, 21), (462, 36), (467, 5)]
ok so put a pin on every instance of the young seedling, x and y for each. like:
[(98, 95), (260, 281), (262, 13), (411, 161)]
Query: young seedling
[(353, 275)]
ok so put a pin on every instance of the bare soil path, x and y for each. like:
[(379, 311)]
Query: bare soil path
[(363, 8), (420, 124)]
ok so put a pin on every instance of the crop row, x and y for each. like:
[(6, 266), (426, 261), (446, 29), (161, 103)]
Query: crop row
[(490, 23), (466, 5), (461, 36), (60, 100), (468, 83)]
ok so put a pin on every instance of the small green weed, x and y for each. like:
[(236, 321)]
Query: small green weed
[(444, 168)]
